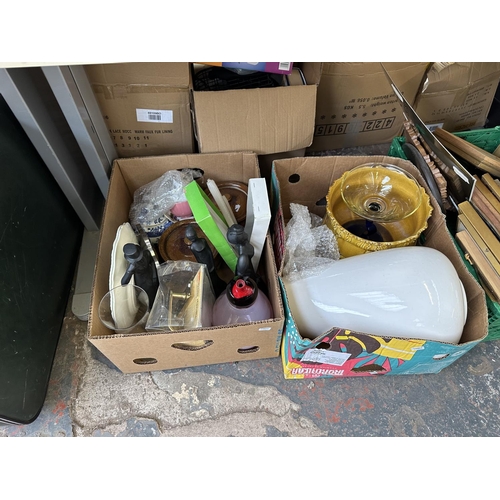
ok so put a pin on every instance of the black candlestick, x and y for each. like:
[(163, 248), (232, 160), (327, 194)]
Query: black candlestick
[(143, 268), (203, 255), (239, 239)]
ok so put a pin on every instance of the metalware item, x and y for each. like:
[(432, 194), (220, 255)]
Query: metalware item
[(468, 181), (175, 245), (415, 157)]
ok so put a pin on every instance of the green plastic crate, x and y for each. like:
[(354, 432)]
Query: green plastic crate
[(487, 139), (396, 149)]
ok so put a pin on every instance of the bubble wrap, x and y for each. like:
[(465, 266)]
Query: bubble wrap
[(309, 244)]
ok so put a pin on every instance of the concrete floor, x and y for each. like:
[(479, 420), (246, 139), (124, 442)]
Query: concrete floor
[(88, 396)]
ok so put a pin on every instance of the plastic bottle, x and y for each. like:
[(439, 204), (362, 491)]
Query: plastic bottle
[(242, 302)]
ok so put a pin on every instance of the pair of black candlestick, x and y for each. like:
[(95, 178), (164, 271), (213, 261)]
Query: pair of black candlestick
[(142, 267)]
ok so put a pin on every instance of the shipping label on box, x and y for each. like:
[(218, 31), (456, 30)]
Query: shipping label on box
[(149, 124), (146, 107), (341, 352), (356, 105), (458, 96)]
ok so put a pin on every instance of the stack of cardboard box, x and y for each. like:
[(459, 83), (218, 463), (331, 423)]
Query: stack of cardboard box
[(160, 122)]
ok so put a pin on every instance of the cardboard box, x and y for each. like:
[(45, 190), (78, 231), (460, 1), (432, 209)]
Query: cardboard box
[(266, 161), (147, 351), (356, 105), (458, 96), (146, 106), (264, 120), (306, 181)]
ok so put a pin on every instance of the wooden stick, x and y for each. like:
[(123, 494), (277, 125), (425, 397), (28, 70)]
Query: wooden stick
[(487, 211), (479, 262), (477, 156), (492, 184)]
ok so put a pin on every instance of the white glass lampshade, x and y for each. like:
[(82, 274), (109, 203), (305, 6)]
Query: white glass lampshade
[(407, 292)]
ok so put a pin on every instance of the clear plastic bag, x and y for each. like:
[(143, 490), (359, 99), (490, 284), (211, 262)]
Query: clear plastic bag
[(309, 244), (184, 299), (153, 202)]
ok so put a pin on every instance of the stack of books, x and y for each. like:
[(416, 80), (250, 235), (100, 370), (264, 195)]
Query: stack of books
[(478, 232)]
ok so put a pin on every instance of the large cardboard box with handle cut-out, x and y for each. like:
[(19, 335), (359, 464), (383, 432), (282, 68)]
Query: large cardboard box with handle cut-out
[(347, 353), (146, 350)]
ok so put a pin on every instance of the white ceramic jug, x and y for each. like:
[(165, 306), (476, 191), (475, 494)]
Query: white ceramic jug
[(409, 292)]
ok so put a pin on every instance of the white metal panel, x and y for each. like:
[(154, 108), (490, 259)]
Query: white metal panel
[(77, 102)]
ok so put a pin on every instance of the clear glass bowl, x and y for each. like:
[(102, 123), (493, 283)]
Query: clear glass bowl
[(380, 192)]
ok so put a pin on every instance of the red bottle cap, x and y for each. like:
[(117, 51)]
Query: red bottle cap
[(241, 289)]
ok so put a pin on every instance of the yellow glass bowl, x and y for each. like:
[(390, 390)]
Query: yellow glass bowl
[(404, 232)]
